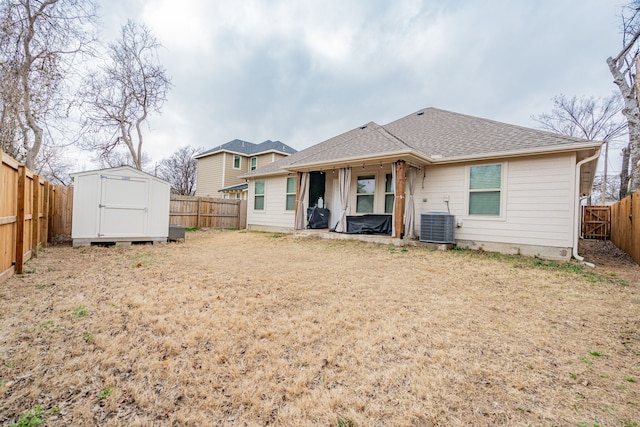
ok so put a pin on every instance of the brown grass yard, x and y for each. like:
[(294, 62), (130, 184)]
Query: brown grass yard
[(240, 328)]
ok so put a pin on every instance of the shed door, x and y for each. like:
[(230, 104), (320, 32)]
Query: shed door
[(123, 206)]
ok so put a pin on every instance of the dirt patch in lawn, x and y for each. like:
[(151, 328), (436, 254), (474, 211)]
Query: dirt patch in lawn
[(239, 328)]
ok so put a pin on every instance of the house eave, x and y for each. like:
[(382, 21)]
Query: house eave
[(517, 153), (260, 153)]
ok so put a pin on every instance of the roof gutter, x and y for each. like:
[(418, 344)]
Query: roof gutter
[(576, 213), (435, 159)]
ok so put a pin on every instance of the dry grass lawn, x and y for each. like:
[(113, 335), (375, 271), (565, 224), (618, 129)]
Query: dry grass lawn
[(241, 328)]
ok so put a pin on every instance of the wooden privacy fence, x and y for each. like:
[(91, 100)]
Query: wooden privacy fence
[(596, 222), (29, 215), (206, 212), (625, 225)]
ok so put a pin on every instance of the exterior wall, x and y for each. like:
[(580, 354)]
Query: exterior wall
[(159, 201), (274, 216), (209, 178), (216, 171), (538, 206), (231, 175)]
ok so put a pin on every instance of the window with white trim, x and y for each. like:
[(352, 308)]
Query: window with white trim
[(291, 193), (485, 188), (388, 193), (236, 162), (254, 163), (258, 201), (364, 193)]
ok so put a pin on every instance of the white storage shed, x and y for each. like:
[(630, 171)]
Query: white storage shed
[(120, 204)]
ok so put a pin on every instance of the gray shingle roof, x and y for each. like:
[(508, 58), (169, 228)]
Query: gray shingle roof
[(249, 148), (435, 132), (430, 133)]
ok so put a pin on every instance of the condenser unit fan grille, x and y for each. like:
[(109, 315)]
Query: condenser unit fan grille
[(437, 227)]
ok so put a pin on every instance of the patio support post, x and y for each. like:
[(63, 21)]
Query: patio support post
[(295, 214), (398, 206)]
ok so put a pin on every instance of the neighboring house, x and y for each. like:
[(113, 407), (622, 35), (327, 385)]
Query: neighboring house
[(510, 188), (219, 169)]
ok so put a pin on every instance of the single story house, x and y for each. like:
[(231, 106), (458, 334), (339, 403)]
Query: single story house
[(501, 187)]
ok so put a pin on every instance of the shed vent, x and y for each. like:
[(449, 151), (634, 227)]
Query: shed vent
[(437, 227)]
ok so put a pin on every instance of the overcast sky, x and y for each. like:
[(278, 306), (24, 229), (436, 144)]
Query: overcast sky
[(304, 71)]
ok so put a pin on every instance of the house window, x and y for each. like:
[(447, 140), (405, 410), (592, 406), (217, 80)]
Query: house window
[(388, 193), (364, 196), (254, 163), (236, 162), (291, 193), (485, 185), (258, 203), (225, 195), (238, 195)]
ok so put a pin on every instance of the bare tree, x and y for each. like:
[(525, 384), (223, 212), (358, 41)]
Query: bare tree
[(589, 118), (623, 68), (120, 96), (180, 170), (39, 42), (53, 165)]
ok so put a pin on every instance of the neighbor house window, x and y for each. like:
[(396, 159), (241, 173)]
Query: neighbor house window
[(238, 195), (364, 196), (291, 193), (388, 193), (258, 203), (254, 163), (236, 162), (485, 186)]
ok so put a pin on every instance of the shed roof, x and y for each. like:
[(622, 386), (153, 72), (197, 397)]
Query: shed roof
[(119, 169)]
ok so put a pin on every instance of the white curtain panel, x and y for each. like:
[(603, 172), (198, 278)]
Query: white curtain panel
[(301, 214), (393, 185), (410, 212), (344, 182)]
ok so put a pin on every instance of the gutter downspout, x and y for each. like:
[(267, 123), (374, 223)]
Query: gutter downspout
[(576, 214)]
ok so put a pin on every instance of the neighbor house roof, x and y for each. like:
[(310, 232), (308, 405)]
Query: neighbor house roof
[(237, 187), (245, 148), (427, 136)]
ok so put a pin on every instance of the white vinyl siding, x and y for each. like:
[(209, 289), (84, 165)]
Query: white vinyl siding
[(538, 198), (274, 214)]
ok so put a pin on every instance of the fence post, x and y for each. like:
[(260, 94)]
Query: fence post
[(47, 211), (199, 212), (22, 177), (35, 215)]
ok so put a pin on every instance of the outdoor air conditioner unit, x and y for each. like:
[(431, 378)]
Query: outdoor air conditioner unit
[(437, 227)]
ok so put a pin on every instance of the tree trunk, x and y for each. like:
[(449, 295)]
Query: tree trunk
[(624, 173), (631, 112)]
